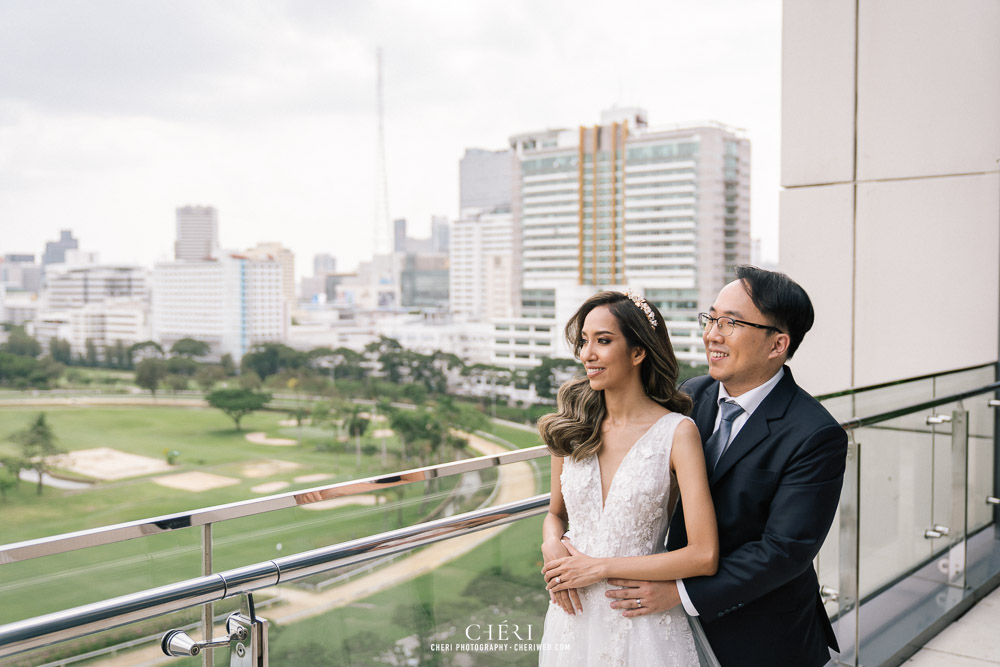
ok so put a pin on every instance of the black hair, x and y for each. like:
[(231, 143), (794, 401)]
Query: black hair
[(575, 428), (781, 299)]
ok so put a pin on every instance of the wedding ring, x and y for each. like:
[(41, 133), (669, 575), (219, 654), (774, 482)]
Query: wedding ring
[(638, 602)]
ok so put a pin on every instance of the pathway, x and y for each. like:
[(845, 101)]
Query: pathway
[(516, 482)]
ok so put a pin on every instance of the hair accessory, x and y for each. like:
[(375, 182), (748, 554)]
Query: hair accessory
[(640, 302)]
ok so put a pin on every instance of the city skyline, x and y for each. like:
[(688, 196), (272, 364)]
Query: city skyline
[(267, 112)]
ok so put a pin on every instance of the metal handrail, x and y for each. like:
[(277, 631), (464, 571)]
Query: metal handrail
[(45, 546), (894, 383), (119, 532), (72, 623)]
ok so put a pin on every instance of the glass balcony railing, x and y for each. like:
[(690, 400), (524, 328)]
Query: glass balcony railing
[(440, 565)]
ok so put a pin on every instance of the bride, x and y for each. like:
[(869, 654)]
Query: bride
[(622, 450)]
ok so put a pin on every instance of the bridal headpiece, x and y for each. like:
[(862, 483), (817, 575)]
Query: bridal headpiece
[(641, 304)]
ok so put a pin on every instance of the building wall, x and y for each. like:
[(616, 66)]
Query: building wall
[(889, 212), (232, 303), (197, 233)]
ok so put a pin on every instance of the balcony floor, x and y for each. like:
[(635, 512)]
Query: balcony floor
[(971, 641)]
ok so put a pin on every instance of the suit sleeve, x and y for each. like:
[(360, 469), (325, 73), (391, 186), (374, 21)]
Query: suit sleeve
[(801, 512)]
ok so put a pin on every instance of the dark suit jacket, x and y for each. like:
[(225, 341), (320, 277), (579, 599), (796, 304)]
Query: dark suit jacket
[(776, 489)]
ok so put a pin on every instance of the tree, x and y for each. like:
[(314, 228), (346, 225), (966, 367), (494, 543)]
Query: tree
[(228, 365), (550, 374), (177, 382), (60, 350), (182, 365), (149, 372), (147, 349), (189, 347), (270, 358), (90, 358), (21, 344), (237, 403), (38, 443), (208, 376), (250, 380)]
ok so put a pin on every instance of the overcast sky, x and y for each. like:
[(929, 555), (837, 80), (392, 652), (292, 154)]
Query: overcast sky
[(115, 112)]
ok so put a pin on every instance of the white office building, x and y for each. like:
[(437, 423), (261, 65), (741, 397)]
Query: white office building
[(665, 211), (68, 286), (232, 303), (484, 276), (197, 233)]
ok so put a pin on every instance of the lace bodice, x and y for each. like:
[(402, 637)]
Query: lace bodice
[(632, 522)]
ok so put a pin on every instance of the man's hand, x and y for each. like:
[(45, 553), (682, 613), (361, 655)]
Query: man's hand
[(653, 596)]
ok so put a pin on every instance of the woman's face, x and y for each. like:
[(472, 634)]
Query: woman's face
[(606, 356)]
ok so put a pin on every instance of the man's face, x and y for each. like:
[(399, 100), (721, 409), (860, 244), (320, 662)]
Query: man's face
[(745, 358)]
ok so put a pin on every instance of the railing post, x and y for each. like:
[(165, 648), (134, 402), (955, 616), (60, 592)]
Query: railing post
[(850, 515), (959, 498), (996, 458), (207, 609)]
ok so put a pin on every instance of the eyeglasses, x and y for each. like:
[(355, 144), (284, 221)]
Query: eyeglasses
[(727, 325)]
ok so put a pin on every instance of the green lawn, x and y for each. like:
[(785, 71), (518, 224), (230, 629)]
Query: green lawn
[(496, 583), (208, 443)]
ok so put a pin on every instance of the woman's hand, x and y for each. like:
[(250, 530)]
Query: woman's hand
[(569, 600), (573, 571)]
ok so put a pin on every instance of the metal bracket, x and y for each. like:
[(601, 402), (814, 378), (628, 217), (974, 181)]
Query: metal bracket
[(936, 531), (247, 639), (991, 500), (993, 403), (829, 593), (938, 419)]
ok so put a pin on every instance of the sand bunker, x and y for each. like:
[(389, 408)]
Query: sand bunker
[(267, 468), (106, 463), (318, 477), (195, 481), (260, 438), (269, 487), (292, 422), (383, 433), (341, 502)]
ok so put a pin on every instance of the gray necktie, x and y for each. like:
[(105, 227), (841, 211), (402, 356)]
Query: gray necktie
[(717, 442)]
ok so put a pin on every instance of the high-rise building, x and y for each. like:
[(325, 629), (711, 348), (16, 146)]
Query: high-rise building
[(77, 286), (19, 272), (486, 180), (662, 210), (55, 251), (440, 234), (197, 233), (286, 258), (622, 203), (423, 280), (232, 303), (324, 263), (399, 235), (484, 281)]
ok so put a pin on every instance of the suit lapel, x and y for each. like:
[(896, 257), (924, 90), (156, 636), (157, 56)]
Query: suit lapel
[(756, 429), (706, 407)]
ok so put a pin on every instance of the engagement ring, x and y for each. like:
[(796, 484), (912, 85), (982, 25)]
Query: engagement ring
[(558, 580), (638, 602)]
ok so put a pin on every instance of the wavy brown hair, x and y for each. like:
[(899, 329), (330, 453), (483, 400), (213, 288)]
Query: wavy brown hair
[(574, 430)]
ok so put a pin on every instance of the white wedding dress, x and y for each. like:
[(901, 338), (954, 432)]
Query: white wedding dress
[(633, 522)]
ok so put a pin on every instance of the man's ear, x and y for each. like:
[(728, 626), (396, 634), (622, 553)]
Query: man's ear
[(638, 354), (779, 346)]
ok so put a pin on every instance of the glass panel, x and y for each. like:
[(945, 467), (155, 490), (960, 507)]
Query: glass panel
[(471, 590), (62, 581), (955, 383), (878, 401), (896, 503)]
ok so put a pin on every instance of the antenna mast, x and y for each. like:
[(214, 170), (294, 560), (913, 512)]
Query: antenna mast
[(382, 236)]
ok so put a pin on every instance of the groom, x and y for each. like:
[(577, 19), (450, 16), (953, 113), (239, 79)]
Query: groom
[(776, 463)]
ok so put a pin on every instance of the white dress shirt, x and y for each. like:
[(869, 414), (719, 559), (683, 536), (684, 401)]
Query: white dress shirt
[(749, 401)]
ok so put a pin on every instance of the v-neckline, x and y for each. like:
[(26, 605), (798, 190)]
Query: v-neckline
[(611, 485)]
